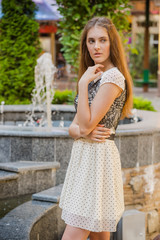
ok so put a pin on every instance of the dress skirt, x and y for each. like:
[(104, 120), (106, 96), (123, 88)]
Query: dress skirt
[(92, 194)]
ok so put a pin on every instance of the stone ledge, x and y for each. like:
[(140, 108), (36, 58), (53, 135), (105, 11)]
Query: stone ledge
[(19, 223), (24, 108), (32, 177), (4, 175), (149, 124), (33, 131), (138, 132), (23, 166), (49, 195)]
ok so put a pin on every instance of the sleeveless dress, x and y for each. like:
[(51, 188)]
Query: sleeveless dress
[(92, 194)]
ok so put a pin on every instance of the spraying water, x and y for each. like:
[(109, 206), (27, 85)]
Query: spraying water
[(2, 112), (43, 92)]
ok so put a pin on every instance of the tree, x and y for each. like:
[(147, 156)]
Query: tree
[(77, 13), (137, 58), (19, 48)]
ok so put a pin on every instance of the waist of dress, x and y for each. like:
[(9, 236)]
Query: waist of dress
[(111, 138)]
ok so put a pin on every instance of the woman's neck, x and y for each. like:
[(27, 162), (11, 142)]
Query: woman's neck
[(107, 65)]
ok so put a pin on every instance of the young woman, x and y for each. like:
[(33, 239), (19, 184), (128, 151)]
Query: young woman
[(92, 196)]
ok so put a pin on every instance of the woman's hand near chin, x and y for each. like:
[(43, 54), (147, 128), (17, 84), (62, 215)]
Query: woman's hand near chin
[(91, 73), (99, 133)]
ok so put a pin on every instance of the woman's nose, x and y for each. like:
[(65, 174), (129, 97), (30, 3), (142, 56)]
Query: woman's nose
[(96, 46)]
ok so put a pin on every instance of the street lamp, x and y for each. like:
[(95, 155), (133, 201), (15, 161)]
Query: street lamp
[(157, 3)]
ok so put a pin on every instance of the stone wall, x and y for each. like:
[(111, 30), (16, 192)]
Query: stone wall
[(142, 192), (135, 148)]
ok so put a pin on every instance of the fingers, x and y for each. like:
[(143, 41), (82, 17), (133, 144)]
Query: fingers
[(102, 136), (98, 66), (98, 74), (101, 128), (98, 140), (92, 73), (100, 133), (97, 69)]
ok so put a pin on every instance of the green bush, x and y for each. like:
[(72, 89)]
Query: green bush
[(60, 97), (77, 13), (10, 101), (137, 58), (19, 49), (142, 104), (66, 96)]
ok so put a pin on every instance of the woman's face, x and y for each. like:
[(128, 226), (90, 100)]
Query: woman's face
[(98, 44)]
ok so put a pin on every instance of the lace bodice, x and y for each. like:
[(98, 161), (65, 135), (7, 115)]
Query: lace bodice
[(112, 117)]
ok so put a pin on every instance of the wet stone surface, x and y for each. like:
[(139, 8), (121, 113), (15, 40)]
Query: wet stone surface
[(6, 205)]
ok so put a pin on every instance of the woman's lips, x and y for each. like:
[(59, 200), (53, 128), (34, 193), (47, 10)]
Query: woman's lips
[(97, 54)]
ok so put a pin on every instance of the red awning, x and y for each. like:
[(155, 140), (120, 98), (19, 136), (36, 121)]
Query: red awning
[(48, 29)]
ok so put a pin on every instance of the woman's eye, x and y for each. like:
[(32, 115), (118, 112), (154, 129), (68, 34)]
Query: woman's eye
[(103, 40), (91, 41)]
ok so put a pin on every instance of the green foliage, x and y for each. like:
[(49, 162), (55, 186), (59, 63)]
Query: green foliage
[(142, 104), (77, 13), (66, 96), (153, 62), (137, 58), (12, 101), (19, 48)]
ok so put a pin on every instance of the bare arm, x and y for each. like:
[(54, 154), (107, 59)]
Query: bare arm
[(98, 134), (74, 130), (89, 117)]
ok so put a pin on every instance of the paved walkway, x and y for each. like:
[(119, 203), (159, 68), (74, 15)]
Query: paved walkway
[(150, 95)]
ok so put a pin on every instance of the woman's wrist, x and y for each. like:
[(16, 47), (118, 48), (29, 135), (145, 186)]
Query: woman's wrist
[(74, 131), (82, 83)]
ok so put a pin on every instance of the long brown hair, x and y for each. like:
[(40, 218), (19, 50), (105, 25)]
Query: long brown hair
[(117, 56)]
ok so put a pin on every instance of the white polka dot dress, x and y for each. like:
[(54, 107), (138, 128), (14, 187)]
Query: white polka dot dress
[(92, 194)]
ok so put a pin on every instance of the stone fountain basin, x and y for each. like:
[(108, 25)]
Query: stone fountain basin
[(137, 142), (17, 113)]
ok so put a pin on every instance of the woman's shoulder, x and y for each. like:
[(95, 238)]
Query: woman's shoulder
[(113, 75), (113, 72)]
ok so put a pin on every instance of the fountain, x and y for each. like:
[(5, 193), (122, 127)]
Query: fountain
[(43, 92), (2, 113), (138, 144)]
